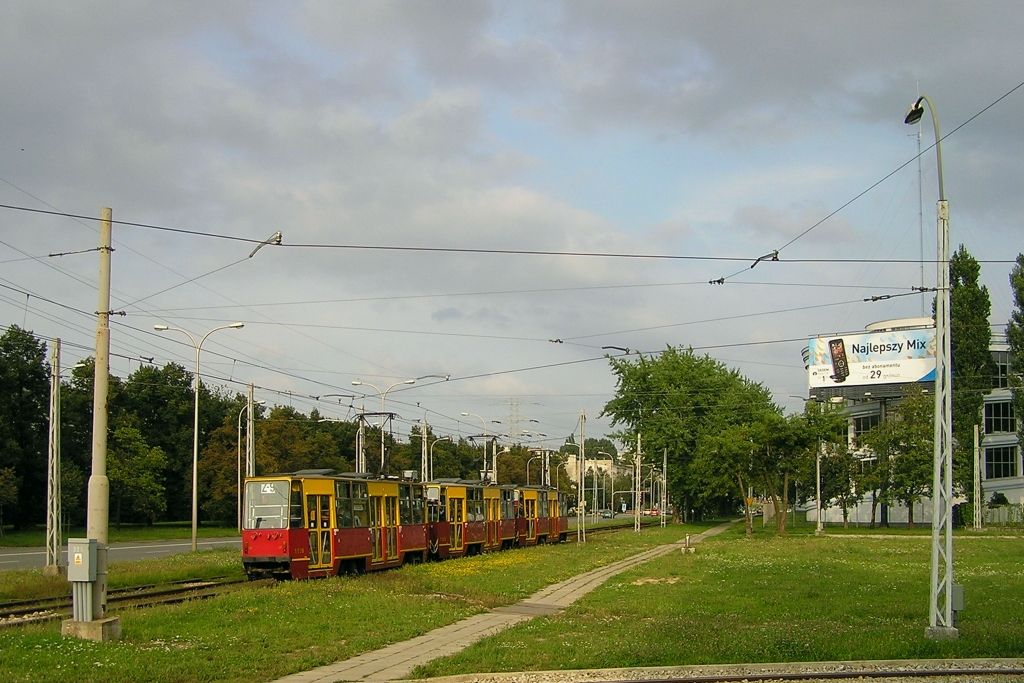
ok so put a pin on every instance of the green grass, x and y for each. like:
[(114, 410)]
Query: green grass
[(770, 599), (35, 537), (259, 634), (30, 583)]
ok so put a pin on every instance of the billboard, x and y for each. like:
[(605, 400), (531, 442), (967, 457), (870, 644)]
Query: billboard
[(893, 357)]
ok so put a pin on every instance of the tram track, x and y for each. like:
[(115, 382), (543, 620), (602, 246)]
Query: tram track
[(960, 670), (33, 611)]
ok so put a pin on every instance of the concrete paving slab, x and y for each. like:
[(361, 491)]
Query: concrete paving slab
[(399, 659)]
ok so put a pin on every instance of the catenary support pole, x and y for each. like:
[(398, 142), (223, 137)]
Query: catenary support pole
[(583, 471), (978, 507), (54, 531), (637, 464), (664, 482), (250, 436), (361, 442), (423, 449), (99, 486)]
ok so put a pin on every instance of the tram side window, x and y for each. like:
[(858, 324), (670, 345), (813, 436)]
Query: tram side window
[(295, 516), (405, 504), (360, 505), (473, 507), (266, 505), (508, 508), (542, 504), (439, 512), (343, 504), (418, 505)]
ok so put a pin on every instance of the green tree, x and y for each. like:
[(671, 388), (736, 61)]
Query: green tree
[(24, 418), (724, 466), (1015, 339), (674, 399), (841, 471), (159, 402), (134, 469), (10, 482), (972, 363), (907, 439)]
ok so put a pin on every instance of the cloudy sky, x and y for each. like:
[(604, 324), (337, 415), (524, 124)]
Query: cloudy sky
[(717, 132)]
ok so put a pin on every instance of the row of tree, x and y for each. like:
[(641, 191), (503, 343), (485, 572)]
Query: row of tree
[(149, 455)]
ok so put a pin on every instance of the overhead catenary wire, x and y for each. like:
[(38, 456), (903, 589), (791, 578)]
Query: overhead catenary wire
[(871, 187), (482, 250)]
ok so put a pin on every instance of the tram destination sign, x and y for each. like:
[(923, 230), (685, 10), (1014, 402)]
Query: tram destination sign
[(893, 357)]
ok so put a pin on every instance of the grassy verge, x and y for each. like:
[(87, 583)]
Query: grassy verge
[(259, 634), (31, 584), (35, 537), (767, 600)]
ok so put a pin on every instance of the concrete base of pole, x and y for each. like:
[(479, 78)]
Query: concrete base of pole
[(941, 633), (99, 630), (52, 570), (819, 532)]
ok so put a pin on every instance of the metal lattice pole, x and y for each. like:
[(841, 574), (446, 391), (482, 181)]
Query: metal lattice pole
[(940, 612), (54, 532)]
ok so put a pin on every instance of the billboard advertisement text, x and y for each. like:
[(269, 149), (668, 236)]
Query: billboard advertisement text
[(899, 356)]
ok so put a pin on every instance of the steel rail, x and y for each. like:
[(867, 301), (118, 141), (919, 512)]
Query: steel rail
[(894, 672)]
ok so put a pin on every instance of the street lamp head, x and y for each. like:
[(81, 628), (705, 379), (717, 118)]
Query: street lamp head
[(161, 328), (409, 381), (465, 414), (915, 112), (356, 383), (236, 326), (261, 402)]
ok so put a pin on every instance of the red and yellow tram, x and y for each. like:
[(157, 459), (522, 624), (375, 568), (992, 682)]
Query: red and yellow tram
[(313, 523)]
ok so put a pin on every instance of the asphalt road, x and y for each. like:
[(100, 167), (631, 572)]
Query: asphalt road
[(35, 558)]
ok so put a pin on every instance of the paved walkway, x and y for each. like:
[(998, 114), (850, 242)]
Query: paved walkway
[(399, 659)]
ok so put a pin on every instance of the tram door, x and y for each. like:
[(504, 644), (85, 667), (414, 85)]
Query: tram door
[(384, 528), (457, 517), (376, 528), (391, 525), (531, 518), (493, 512), (318, 515)]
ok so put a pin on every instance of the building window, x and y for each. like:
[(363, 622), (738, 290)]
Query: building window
[(1000, 461), (1002, 377), (863, 425), (999, 418)]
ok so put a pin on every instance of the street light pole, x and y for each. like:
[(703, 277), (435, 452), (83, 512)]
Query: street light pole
[(383, 395), (443, 438), (940, 617), (195, 422), (484, 423), (536, 457)]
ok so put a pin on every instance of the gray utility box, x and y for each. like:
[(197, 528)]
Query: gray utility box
[(82, 559)]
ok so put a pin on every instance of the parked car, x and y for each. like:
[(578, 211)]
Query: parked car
[(607, 514)]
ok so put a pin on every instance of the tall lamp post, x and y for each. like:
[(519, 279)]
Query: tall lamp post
[(485, 435), (940, 609), (383, 395), (195, 425), (248, 426), (443, 438), (536, 457)]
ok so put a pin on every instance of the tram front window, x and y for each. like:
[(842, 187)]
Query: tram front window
[(266, 504)]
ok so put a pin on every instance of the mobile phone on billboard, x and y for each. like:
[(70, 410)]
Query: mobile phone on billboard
[(840, 366)]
